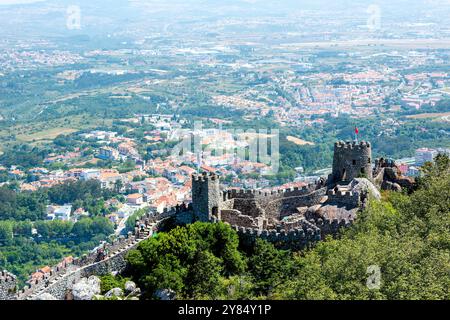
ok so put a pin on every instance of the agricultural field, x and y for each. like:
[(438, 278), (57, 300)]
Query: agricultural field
[(299, 142), (45, 131), (429, 115)]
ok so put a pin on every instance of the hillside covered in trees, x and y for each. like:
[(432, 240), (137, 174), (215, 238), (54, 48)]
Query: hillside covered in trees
[(29, 241)]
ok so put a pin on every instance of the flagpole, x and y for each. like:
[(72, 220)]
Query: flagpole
[(199, 162)]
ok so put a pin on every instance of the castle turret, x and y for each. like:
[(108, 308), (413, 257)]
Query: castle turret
[(351, 160), (206, 196)]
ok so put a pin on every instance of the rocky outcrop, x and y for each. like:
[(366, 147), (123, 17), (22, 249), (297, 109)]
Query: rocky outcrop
[(45, 296), (131, 292), (391, 186), (115, 292), (86, 288), (389, 177), (165, 294), (365, 186), (130, 287)]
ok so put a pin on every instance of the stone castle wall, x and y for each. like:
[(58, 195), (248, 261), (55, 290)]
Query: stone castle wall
[(60, 284), (298, 238), (284, 206), (206, 195), (61, 278), (60, 281), (344, 198), (351, 160), (8, 286), (272, 195), (378, 177), (274, 205), (235, 217), (330, 227)]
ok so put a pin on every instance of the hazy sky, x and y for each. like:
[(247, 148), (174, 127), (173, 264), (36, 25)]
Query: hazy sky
[(17, 1)]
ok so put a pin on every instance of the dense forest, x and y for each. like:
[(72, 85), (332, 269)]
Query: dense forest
[(406, 236)]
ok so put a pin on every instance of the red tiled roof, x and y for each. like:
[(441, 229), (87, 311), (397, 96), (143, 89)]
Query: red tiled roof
[(134, 196), (208, 168)]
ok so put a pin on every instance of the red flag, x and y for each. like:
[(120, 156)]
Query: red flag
[(356, 130)]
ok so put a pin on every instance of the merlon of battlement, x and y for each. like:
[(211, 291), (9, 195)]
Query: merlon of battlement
[(205, 176), (352, 145), (6, 276)]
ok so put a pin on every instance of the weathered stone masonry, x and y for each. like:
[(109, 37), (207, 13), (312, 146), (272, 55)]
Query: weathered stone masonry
[(351, 160), (8, 286)]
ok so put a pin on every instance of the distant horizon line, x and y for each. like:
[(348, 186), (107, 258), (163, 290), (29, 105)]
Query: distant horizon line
[(14, 2)]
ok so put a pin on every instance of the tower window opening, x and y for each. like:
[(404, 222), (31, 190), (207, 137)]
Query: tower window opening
[(354, 162), (369, 161)]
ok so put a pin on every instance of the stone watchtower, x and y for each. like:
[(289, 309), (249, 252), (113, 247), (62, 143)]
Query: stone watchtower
[(351, 160), (206, 196)]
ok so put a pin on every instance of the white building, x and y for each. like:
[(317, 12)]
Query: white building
[(425, 155), (135, 199), (108, 153), (59, 212), (90, 174), (99, 135), (413, 172)]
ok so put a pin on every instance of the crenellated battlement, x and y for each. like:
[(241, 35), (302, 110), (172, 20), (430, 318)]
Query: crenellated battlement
[(79, 267), (339, 193), (6, 276), (344, 197), (258, 194), (173, 211), (351, 145), (330, 226), (300, 237), (295, 238)]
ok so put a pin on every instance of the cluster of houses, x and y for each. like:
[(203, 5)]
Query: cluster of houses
[(164, 180), (44, 273), (411, 166), (65, 213), (125, 150)]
